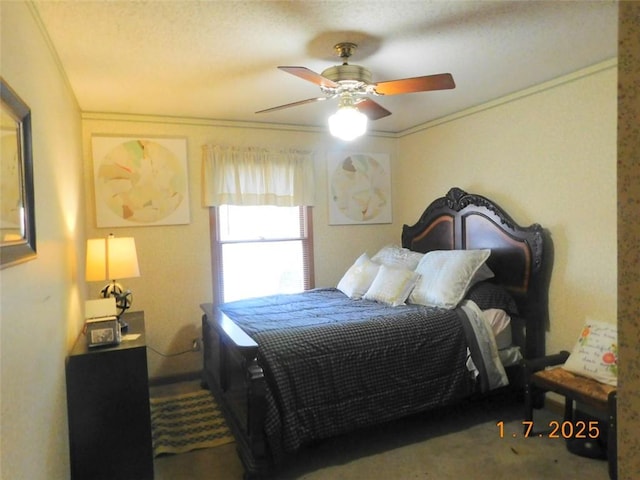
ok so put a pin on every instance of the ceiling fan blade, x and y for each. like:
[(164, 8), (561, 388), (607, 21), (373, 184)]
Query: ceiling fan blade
[(294, 104), (372, 110), (441, 81), (310, 76)]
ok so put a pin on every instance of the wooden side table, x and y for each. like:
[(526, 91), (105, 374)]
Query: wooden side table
[(108, 408), (574, 388)]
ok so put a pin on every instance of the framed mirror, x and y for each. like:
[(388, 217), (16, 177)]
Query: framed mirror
[(17, 216)]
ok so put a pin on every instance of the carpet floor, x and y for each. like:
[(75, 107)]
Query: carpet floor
[(461, 442)]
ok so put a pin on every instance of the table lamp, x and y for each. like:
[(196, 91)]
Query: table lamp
[(109, 259)]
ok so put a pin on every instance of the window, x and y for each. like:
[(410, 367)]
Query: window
[(260, 250)]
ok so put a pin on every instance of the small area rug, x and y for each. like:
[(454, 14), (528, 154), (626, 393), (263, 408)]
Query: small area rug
[(186, 422)]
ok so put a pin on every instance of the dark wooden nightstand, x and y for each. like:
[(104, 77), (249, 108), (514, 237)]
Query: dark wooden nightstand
[(108, 408)]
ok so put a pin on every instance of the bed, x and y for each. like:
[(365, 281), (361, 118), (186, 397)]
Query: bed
[(289, 370)]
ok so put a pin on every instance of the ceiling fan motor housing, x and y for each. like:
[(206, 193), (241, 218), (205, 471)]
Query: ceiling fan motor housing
[(350, 77)]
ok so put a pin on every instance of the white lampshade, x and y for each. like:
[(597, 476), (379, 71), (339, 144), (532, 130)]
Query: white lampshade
[(111, 258), (348, 123), (96, 259)]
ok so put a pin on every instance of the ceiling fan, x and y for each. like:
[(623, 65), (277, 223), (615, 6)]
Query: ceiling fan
[(352, 84)]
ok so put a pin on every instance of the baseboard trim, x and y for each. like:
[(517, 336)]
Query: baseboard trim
[(557, 407), (180, 377)]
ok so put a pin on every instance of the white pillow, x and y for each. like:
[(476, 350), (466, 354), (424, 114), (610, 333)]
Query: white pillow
[(595, 354), (500, 323), (391, 285), (399, 257), (446, 275), (483, 273), (358, 278)]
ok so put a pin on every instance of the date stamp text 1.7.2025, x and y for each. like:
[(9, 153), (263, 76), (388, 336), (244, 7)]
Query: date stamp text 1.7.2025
[(556, 429)]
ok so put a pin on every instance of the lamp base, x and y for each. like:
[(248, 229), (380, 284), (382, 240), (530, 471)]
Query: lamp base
[(124, 326), (123, 300)]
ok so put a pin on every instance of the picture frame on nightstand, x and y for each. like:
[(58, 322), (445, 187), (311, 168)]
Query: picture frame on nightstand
[(102, 332)]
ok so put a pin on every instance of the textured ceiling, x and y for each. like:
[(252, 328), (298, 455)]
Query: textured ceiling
[(217, 59)]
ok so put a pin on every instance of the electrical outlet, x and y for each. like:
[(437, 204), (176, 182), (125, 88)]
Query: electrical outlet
[(195, 345)]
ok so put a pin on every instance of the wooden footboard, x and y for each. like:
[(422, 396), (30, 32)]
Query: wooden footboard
[(233, 375)]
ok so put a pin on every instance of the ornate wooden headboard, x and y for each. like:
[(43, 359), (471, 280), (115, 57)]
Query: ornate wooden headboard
[(521, 257)]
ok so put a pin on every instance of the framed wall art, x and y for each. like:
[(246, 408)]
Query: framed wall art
[(140, 181), (359, 188), (17, 202)]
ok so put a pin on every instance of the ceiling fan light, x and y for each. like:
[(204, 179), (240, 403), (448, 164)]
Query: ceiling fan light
[(348, 123)]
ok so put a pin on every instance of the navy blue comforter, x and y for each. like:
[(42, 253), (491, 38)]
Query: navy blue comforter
[(334, 364)]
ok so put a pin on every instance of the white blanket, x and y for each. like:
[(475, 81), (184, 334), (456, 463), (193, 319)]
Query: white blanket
[(496, 374)]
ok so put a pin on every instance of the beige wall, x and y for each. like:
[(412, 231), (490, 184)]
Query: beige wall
[(41, 313), (547, 155), (175, 260)]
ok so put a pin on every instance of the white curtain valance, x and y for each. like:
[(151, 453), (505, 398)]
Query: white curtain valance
[(256, 176)]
